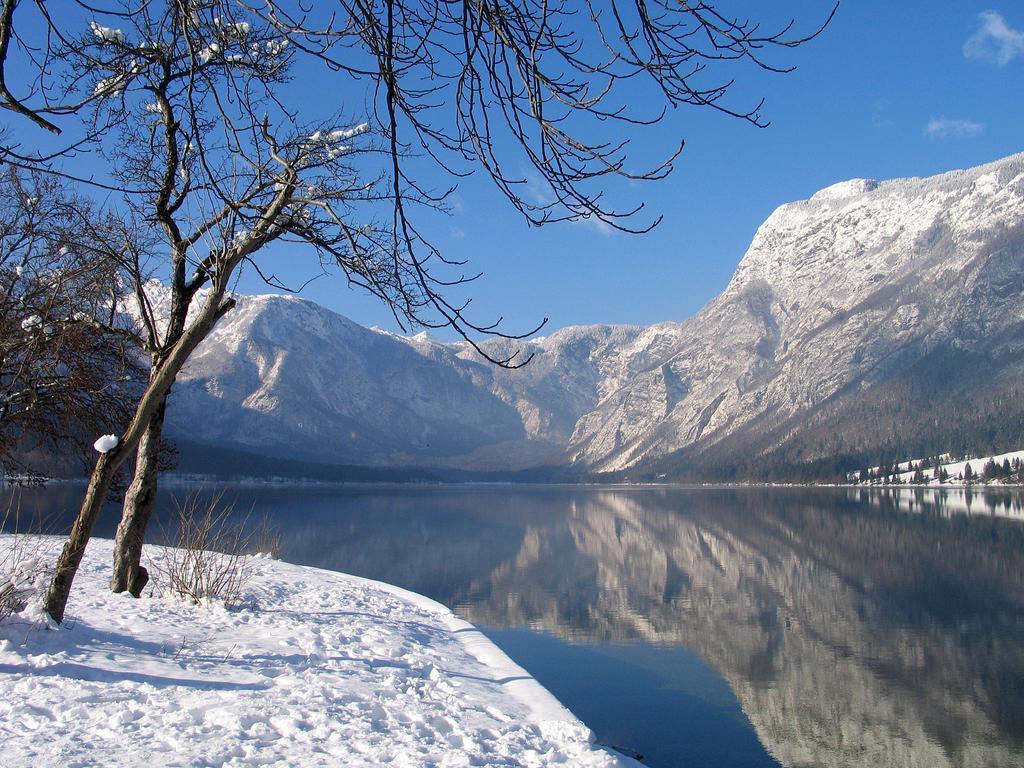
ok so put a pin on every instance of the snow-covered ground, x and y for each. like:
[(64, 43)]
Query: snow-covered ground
[(954, 468), (317, 668)]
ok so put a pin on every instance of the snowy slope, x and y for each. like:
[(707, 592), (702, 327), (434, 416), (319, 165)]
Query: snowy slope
[(319, 669), (836, 295), (284, 376), (954, 469)]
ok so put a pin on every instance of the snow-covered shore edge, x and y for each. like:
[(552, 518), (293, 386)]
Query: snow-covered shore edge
[(516, 680), (316, 668)]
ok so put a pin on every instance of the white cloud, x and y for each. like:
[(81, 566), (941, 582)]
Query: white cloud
[(995, 40), (536, 190), (947, 128), (599, 226)]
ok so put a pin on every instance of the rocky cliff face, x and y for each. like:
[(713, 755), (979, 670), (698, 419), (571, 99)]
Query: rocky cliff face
[(838, 294)]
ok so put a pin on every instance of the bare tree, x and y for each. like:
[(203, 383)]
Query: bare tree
[(207, 155), (188, 102), (65, 374)]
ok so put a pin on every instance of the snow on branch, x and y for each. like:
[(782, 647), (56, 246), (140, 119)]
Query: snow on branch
[(105, 444), (333, 142), (31, 323), (107, 34)]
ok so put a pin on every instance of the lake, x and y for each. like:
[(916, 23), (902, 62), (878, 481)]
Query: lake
[(711, 626)]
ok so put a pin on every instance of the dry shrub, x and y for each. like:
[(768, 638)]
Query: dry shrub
[(23, 570), (210, 556), (24, 574)]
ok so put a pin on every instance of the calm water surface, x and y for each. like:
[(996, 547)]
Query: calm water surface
[(711, 627)]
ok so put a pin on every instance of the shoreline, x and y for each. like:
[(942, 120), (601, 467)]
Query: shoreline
[(212, 481)]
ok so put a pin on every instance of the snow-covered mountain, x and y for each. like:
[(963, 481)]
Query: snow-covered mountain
[(858, 292), (836, 294), (283, 376)]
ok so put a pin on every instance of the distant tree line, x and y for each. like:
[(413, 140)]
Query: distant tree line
[(931, 468)]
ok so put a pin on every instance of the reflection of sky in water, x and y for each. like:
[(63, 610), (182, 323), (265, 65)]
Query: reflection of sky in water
[(853, 626), (664, 702)]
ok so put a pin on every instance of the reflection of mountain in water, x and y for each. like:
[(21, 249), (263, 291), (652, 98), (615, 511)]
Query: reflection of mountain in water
[(850, 636)]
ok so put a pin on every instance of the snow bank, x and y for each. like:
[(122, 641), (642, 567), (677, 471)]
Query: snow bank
[(320, 669)]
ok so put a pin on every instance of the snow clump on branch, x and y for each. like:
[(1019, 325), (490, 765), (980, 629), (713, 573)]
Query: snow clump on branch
[(331, 141), (112, 86), (275, 47), (233, 28), (105, 444), (106, 86), (106, 34), (208, 52)]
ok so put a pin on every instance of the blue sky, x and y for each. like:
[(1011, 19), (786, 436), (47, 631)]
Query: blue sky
[(908, 88)]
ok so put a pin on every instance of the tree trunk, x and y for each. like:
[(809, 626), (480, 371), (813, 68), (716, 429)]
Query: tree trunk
[(70, 558), (138, 506)]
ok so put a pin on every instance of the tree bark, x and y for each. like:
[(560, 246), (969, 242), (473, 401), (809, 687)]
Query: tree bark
[(129, 575), (56, 598)]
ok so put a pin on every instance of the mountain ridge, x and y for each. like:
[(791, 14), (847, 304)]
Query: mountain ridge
[(848, 292)]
